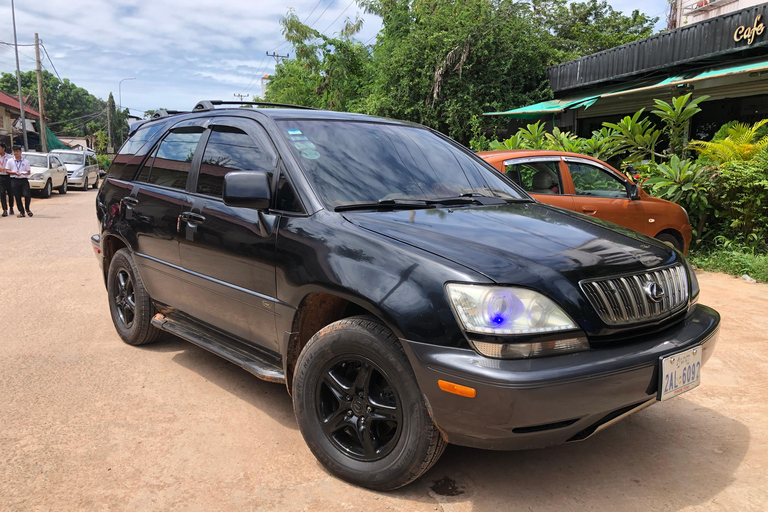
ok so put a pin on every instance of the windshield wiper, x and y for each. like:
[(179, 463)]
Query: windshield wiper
[(468, 198), (385, 204)]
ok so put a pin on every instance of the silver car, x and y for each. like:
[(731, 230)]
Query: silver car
[(82, 167)]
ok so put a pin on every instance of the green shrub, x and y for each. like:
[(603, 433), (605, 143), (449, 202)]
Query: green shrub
[(742, 195)]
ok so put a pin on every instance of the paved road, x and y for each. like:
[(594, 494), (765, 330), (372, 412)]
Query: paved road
[(89, 423)]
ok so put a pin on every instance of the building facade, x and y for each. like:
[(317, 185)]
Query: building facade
[(723, 57)]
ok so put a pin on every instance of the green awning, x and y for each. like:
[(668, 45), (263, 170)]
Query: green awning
[(546, 107), (697, 76), (557, 106)]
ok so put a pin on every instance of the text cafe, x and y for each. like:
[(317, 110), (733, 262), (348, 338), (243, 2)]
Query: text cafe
[(724, 57)]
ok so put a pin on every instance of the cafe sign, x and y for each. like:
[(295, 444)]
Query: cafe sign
[(744, 33)]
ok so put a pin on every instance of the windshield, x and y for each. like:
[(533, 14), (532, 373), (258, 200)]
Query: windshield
[(71, 158), (355, 162), (36, 160)]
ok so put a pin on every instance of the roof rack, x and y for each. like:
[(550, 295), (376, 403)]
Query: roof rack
[(165, 113), (210, 104)]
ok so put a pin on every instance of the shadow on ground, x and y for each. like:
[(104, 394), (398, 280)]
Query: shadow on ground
[(269, 397), (668, 457)]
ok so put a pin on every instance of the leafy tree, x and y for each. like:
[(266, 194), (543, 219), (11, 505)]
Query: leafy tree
[(71, 109), (328, 72), (582, 28)]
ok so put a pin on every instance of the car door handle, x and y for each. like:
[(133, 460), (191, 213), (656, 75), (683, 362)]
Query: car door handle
[(192, 217), (131, 201), (589, 210)]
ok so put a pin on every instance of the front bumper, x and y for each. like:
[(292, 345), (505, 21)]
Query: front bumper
[(37, 184), (532, 403)]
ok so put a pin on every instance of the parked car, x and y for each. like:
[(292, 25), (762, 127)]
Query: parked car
[(48, 172), (82, 167), (407, 294), (587, 185)]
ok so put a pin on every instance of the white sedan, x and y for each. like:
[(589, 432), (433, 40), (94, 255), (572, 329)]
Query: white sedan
[(48, 172)]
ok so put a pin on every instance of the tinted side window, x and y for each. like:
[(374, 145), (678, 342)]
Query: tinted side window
[(589, 180), (230, 149), (537, 177), (124, 166), (173, 158)]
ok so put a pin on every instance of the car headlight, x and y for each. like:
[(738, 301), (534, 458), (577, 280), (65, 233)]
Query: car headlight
[(535, 325), (79, 173), (37, 176)]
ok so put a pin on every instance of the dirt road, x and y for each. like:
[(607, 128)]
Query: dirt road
[(89, 423)]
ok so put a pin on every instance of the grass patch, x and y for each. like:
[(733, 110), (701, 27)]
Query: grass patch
[(732, 262)]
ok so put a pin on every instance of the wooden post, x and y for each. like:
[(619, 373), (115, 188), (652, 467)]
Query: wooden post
[(41, 122)]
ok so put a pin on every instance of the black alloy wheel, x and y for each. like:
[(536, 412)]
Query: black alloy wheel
[(359, 408), (132, 309), (125, 299)]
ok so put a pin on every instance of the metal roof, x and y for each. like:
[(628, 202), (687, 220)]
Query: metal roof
[(673, 51)]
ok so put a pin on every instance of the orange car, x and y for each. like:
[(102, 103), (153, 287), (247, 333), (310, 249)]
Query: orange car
[(587, 185)]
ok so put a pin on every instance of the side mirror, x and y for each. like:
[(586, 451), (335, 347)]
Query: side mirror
[(249, 189), (633, 190)]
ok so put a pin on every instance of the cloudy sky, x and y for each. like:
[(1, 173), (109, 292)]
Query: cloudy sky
[(179, 51)]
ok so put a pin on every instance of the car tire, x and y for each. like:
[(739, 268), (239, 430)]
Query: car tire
[(670, 240), (96, 185), (63, 188), (129, 303), (359, 407), (85, 184), (47, 190)]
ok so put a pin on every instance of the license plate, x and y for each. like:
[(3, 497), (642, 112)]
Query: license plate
[(680, 373)]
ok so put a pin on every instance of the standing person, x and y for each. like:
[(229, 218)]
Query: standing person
[(20, 170), (5, 180)]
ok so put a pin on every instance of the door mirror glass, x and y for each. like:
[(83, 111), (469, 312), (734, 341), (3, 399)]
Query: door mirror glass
[(249, 189), (633, 189)]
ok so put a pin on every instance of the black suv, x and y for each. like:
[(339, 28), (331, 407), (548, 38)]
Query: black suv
[(406, 293)]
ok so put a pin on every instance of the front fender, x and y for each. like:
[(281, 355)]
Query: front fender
[(400, 284)]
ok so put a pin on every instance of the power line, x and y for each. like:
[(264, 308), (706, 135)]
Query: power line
[(49, 60), (92, 115), (339, 16)]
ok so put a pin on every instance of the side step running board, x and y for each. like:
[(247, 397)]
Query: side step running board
[(225, 348)]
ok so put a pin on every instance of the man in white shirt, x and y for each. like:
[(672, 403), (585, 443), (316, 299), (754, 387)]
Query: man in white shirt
[(20, 170), (5, 180)]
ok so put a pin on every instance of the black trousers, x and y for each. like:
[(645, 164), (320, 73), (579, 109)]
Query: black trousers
[(6, 189), (21, 189)]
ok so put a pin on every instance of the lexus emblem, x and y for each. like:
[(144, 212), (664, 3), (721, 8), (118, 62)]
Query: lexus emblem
[(653, 290)]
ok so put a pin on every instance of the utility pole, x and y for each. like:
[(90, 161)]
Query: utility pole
[(110, 106), (241, 96), (18, 81), (278, 57), (41, 108)]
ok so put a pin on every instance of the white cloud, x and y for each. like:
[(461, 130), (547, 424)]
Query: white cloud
[(179, 51)]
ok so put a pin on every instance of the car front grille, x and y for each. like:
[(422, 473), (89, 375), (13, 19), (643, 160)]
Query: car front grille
[(628, 299)]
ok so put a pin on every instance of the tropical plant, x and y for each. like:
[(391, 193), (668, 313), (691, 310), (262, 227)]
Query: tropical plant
[(677, 118), (516, 141), (603, 145), (742, 195), (740, 144), (564, 141), (639, 136), (687, 183)]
